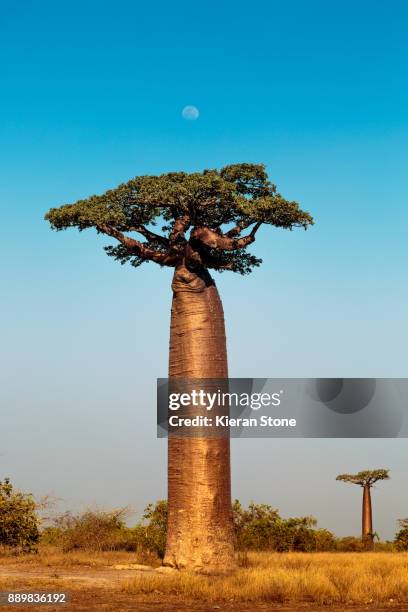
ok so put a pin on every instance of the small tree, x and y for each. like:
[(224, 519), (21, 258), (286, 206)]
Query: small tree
[(18, 518), (255, 527), (401, 538), (366, 479), (155, 527)]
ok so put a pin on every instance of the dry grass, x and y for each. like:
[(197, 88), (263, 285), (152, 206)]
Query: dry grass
[(320, 578), (289, 578), (50, 556)]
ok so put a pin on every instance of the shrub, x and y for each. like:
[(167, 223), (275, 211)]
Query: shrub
[(261, 528), (255, 528), (350, 544), (19, 521), (150, 533), (325, 541), (296, 534), (401, 538), (94, 530), (99, 531)]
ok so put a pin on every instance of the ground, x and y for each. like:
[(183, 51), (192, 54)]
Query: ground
[(265, 581)]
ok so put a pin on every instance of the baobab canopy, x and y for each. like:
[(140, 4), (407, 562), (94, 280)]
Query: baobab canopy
[(366, 478), (206, 220)]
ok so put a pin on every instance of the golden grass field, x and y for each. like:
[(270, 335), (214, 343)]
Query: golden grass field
[(310, 580)]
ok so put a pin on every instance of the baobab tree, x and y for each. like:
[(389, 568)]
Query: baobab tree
[(207, 221), (366, 479)]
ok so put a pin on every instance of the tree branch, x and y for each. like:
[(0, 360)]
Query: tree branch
[(150, 235), (241, 225), (216, 240), (138, 248), (181, 224)]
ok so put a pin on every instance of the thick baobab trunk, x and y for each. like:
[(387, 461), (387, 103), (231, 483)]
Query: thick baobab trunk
[(367, 519), (200, 529)]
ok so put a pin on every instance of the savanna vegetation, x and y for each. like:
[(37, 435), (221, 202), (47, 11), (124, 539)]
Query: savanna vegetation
[(279, 560), (258, 527), (321, 578), (310, 579)]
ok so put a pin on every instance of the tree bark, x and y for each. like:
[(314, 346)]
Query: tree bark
[(200, 528), (367, 519)]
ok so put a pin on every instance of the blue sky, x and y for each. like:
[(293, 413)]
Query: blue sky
[(91, 95)]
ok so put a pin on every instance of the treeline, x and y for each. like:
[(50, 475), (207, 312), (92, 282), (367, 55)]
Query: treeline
[(260, 527), (257, 527)]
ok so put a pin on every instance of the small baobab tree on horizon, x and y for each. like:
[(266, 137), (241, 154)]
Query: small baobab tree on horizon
[(206, 221), (367, 480)]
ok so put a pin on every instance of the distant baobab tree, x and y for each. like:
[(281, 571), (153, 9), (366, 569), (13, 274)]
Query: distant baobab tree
[(366, 479), (207, 220)]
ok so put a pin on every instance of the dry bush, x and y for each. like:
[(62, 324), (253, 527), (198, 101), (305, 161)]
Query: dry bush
[(94, 530), (100, 530)]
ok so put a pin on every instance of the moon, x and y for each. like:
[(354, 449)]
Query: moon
[(190, 113)]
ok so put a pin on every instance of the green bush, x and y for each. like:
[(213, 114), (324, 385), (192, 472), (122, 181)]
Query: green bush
[(255, 527), (325, 541), (19, 521), (151, 532), (259, 527), (401, 538)]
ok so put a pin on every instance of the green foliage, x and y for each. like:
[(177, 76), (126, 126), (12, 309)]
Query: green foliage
[(365, 478), (325, 541), (255, 526), (225, 203), (151, 532), (18, 518), (259, 527), (401, 537)]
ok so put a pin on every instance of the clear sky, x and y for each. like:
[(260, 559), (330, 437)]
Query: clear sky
[(91, 95)]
